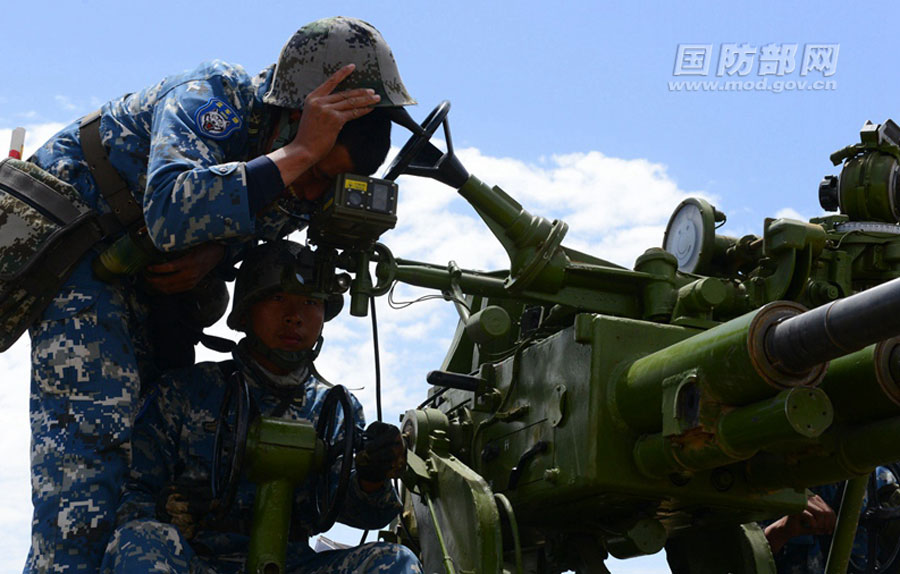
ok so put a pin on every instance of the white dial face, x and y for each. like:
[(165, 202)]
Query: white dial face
[(685, 237)]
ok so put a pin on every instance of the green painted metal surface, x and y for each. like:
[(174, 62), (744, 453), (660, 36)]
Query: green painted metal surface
[(847, 521), (457, 519), (280, 455)]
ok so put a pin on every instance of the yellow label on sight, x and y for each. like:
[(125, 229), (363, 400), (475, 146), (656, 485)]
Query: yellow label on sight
[(354, 184)]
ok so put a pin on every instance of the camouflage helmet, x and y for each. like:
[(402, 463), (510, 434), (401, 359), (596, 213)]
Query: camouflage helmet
[(321, 48), (279, 266)]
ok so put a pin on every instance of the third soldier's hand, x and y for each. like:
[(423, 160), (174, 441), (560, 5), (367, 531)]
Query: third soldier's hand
[(818, 518)]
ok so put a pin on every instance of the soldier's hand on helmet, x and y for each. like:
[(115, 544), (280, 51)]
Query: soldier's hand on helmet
[(817, 518), (185, 272), (184, 507), (324, 114), (383, 456)]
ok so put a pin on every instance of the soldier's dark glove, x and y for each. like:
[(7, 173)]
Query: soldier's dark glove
[(383, 454), (184, 506)]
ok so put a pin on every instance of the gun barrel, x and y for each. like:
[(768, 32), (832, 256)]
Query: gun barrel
[(836, 329), (731, 363), (855, 451), (865, 385)]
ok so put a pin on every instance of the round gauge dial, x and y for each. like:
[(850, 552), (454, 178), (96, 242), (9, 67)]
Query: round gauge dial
[(690, 234)]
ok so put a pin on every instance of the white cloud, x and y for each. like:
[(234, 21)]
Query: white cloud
[(616, 208), (788, 213), (65, 103)]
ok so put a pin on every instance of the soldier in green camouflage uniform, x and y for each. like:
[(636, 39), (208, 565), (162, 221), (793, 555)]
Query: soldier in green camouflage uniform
[(215, 158), (166, 523)]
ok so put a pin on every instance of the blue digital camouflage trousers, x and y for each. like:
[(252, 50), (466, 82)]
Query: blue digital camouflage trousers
[(149, 547), (86, 351)]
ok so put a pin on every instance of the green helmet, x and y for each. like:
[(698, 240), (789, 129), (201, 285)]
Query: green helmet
[(279, 266), (321, 48)]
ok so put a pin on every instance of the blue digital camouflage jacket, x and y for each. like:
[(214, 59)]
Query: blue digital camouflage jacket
[(181, 146), (173, 441)]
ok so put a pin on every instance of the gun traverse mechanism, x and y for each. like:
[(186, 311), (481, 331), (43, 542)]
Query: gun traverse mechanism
[(585, 409)]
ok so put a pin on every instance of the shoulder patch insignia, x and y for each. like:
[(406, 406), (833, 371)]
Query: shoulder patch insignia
[(216, 119)]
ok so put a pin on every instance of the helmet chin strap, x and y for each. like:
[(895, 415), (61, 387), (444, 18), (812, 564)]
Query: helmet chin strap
[(286, 360)]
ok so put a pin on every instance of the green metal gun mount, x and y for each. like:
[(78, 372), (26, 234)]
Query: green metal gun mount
[(584, 409)]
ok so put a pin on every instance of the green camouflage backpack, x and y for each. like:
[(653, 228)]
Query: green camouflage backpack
[(45, 228)]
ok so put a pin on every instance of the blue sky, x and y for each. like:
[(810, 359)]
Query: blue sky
[(526, 79), (566, 105)]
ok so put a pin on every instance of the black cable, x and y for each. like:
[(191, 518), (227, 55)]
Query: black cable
[(377, 358), (365, 533), (432, 398), (444, 296)]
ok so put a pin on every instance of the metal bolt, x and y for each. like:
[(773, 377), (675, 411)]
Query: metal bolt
[(722, 479)]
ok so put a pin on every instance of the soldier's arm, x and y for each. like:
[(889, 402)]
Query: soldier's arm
[(194, 193), (154, 446), (817, 518), (324, 115), (369, 510), (369, 505)]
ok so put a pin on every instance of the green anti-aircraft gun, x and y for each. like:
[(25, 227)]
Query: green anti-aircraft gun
[(585, 409)]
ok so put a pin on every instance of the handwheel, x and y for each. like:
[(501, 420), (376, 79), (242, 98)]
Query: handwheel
[(330, 496), (231, 442), (414, 144)]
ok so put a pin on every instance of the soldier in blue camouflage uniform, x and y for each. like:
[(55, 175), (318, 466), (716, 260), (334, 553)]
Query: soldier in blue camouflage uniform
[(214, 157), (800, 543), (166, 523)]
